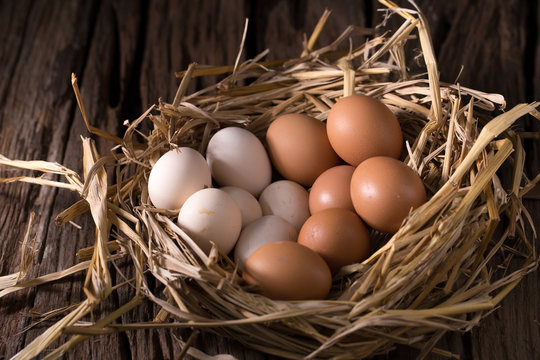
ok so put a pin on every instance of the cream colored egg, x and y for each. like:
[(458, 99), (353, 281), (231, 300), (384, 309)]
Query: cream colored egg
[(237, 158), (175, 176), (264, 230), (248, 204), (286, 199), (211, 215)]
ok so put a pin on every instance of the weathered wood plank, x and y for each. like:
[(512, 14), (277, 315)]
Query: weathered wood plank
[(37, 113), (283, 26), (178, 33)]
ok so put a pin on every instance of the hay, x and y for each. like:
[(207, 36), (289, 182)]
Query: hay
[(452, 261)]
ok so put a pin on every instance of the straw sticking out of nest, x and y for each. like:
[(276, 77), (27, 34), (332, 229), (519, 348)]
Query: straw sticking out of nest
[(440, 272)]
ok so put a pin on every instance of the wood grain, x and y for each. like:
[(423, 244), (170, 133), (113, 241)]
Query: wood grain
[(125, 54)]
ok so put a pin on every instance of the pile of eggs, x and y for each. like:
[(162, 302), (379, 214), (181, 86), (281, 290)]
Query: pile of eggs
[(289, 236)]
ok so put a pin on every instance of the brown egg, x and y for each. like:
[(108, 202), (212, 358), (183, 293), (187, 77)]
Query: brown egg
[(286, 270), (338, 235), (383, 192), (299, 148), (360, 127), (332, 189)]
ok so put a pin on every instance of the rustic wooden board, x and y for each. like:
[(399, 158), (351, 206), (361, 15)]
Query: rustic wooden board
[(125, 54)]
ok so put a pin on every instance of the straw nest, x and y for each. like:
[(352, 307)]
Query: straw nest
[(452, 261)]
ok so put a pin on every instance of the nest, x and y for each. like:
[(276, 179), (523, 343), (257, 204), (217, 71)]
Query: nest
[(452, 260)]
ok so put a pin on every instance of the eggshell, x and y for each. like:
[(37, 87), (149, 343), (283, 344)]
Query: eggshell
[(238, 158), (248, 204), (264, 230), (211, 215), (299, 148), (338, 235), (384, 190), (332, 189), (175, 176), (286, 270), (360, 127), (286, 199)]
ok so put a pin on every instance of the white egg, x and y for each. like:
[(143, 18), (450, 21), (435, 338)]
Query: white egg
[(237, 158), (248, 204), (264, 230), (211, 215), (286, 199), (175, 176)]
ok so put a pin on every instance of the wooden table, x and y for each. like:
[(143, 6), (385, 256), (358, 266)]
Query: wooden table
[(125, 54)]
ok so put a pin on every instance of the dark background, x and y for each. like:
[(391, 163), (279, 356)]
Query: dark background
[(125, 54)]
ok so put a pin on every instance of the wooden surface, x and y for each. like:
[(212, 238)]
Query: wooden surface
[(125, 54)]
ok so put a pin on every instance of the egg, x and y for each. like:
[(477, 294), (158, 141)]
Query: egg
[(238, 158), (332, 189), (286, 270), (360, 127), (286, 199), (175, 176), (299, 148), (384, 191), (211, 215), (248, 204), (338, 235), (264, 230)]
